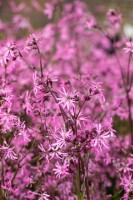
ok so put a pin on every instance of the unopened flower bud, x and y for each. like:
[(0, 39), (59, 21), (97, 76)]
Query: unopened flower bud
[(87, 98)]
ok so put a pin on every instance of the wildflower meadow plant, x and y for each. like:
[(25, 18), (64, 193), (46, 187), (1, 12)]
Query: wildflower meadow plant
[(66, 105)]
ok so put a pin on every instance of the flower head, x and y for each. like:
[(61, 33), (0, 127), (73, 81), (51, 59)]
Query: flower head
[(67, 99), (129, 47), (114, 17), (49, 9), (42, 196), (92, 23), (10, 51), (61, 170), (8, 151), (61, 138), (32, 42), (101, 137), (24, 133)]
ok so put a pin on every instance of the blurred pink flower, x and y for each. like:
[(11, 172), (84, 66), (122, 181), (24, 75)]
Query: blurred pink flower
[(129, 47)]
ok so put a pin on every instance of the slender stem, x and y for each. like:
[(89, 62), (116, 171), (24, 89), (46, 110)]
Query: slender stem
[(85, 172), (130, 115), (25, 61), (27, 152), (117, 194), (128, 69), (5, 72), (64, 115), (127, 90), (40, 57), (117, 59), (2, 171), (80, 109), (19, 167), (2, 196), (15, 174), (120, 67), (78, 156), (79, 176)]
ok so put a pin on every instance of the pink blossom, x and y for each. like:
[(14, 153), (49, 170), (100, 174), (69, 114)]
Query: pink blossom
[(66, 108), (48, 10), (42, 196), (24, 133), (127, 183), (129, 47), (61, 170), (67, 99), (91, 23), (101, 138), (32, 42), (114, 16), (8, 151), (61, 138), (10, 51)]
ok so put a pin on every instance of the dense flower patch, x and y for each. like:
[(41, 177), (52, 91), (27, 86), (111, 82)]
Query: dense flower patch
[(66, 106)]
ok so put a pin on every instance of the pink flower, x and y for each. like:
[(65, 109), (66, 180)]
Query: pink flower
[(49, 9), (127, 183), (6, 98), (31, 43), (67, 99), (54, 152), (126, 166), (92, 23), (114, 17), (8, 121), (27, 104), (16, 8), (21, 22), (42, 196), (3, 60), (101, 138), (24, 133), (61, 138), (129, 47), (8, 151), (45, 153), (36, 80), (36, 5), (8, 189), (81, 119), (10, 51), (61, 170)]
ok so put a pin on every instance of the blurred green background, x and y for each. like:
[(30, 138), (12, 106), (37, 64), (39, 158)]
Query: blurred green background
[(100, 7), (97, 7)]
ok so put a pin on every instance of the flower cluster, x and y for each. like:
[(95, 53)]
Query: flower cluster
[(66, 105)]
